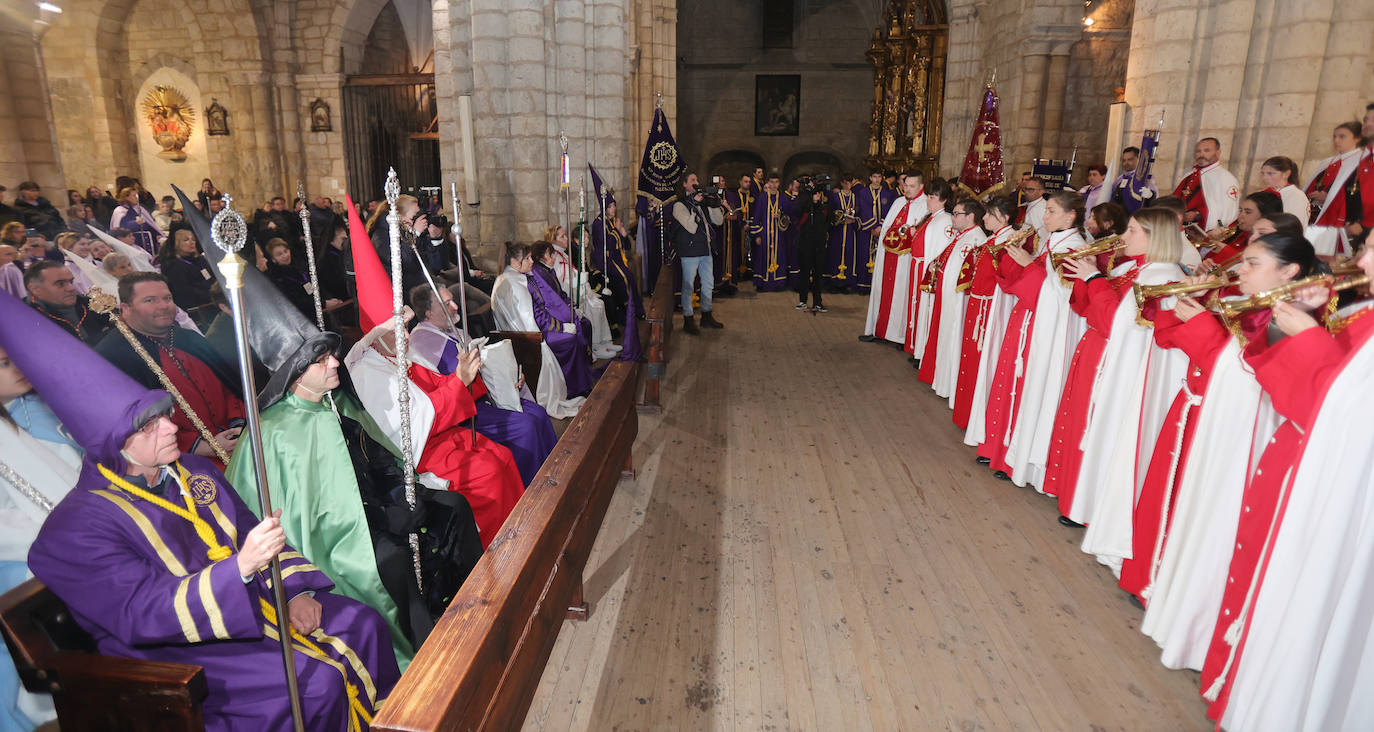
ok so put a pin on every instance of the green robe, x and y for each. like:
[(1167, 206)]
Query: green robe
[(310, 476)]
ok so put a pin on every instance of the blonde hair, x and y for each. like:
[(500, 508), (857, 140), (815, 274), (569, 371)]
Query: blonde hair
[(65, 240), (125, 191), (10, 228), (1166, 244), (551, 233)]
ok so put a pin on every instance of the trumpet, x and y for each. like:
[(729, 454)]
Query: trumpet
[(1174, 289), (1101, 246), (1344, 276), (1014, 240)]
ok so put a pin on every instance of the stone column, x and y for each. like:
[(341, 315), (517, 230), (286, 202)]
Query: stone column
[(1056, 83)]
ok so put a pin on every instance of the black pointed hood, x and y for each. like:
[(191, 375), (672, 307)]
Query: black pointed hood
[(281, 337)]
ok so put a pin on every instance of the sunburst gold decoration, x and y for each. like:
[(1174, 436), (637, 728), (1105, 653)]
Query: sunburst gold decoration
[(171, 118)]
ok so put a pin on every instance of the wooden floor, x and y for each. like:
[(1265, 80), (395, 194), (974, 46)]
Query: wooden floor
[(809, 546)]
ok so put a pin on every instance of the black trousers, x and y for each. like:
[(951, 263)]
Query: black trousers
[(812, 258)]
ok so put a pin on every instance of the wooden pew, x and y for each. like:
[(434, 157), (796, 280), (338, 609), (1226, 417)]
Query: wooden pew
[(481, 665), (526, 347), (659, 315), (92, 692)]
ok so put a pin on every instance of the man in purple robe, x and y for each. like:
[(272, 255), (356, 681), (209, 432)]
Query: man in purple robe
[(610, 246), (568, 336), (843, 260), (735, 237), (872, 202), (158, 558), (770, 260), (528, 433)]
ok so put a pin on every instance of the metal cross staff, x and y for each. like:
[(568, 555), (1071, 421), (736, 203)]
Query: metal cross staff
[(229, 232), (462, 291), (393, 222), (310, 255)]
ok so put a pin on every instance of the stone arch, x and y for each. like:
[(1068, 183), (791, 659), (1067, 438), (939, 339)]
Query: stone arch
[(812, 162), (731, 164), (149, 67)]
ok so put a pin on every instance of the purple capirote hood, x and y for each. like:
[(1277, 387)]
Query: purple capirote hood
[(98, 404)]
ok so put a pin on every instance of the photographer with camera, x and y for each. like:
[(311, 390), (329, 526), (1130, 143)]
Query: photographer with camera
[(812, 237), (696, 214)]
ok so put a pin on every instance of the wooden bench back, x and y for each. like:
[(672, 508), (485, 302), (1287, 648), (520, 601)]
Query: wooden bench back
[(659, 315), (481, 664), (528, 352)]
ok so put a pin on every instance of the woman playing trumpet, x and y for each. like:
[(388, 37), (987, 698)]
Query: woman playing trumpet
[(985, 319), (1226, 251), (940, 360)]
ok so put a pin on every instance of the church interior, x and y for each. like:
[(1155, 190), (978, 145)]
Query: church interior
[(771, 525)]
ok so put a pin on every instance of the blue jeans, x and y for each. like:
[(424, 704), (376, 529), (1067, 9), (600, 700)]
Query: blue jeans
[(692, 267)]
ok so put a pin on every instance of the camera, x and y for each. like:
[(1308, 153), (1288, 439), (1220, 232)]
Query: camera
[(714, 194), (440, 221), (813, 184)]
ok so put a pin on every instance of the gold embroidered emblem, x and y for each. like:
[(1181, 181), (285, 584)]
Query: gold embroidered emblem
[(663, 155), (203, 489)]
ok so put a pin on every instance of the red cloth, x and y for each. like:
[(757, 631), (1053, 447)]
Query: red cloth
[(203, 392), (913, 295), (1323, 182), (1201, 339), (1097, 301), (894, 245), (1004, 397), (927, 371), (1190, 190), (979, 277), (484, 472), (1295, 373), (1229, 253)]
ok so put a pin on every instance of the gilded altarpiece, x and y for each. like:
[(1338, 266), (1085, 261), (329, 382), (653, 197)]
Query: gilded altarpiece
[(908, 57)]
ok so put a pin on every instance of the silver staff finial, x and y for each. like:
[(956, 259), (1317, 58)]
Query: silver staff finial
[(392, 187), (229, 231)]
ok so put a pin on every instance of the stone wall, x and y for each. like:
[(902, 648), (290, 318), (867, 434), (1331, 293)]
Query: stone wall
[(1055, 77), (720, 54), (1266, 77), (28, 149)]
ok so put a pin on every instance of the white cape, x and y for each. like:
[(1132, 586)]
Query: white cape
[(1135, 384), (999, 313), (1054, 336), (934, 239), (949, 345), (1187, 589), (592, 308), (1308, 660), (895, 328), (374, 379), (513, 307)]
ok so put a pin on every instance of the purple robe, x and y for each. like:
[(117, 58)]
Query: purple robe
[(528, 434), (872, 207), (12, 280), (551, 311), (842, 261), (770, 256), (138, 579), (728, 261), (608, 255)]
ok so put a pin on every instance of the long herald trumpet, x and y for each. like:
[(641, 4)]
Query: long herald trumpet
[(1144, 293), (1344, 276), (1101, 246), (1013, 240)]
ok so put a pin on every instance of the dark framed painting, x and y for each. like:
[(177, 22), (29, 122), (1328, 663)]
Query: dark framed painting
[(777, 105)]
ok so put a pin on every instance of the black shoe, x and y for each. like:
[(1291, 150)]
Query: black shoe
[(820, 309), (1000, 475), (709, 321), (867, 338), (901, 347), (1066, 521), (1136, 602), (912, 359), (982, 460), (689, 325), (801, 305)]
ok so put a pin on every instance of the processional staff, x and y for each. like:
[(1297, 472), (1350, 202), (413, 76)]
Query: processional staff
[(229, 232), (310, 255), (466, 343), (393, 221)]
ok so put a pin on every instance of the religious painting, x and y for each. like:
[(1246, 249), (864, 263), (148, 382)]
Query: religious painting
[(170, 119), (216, 119), (320, 120), (777, 103)]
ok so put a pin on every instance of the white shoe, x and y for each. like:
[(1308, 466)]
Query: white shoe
[(800, 306)]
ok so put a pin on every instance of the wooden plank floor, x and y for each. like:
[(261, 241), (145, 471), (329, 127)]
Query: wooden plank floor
[(809, 546)]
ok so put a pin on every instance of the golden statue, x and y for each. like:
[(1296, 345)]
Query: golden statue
[(908, 57), (171, 117)]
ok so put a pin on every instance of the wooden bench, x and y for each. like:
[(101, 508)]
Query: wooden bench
[(92, 692), (482, 663), (526, 345), (658, 314)]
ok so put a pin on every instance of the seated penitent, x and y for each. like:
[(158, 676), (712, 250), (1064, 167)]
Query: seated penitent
[(207, 382), (513, 303), (434, 348), (158, 559)]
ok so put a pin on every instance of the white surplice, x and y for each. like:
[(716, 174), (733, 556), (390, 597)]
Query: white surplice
[(950, 330), (591, 307), (1308, 656), (1328, 239), (513, 307), (1054, 336), (999, 314), (1187, 590), (1134, 385), (934, 239), (895, 327)]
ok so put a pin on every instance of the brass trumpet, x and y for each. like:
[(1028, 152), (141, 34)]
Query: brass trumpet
[(1344, 276), (1174, 289), (1014, 240), (1101, 246)]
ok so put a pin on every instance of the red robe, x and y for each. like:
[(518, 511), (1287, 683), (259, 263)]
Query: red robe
[(1202, 340), (204, 393), (892, 247), (979, 278), (484, 472), (1295, 372), (1190, 190), (1097, 301), (1004, 397), (915, 245), (1230, 252)]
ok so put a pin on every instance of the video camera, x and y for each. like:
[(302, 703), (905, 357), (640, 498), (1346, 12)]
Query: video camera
[(813, 184), (714, 194)]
